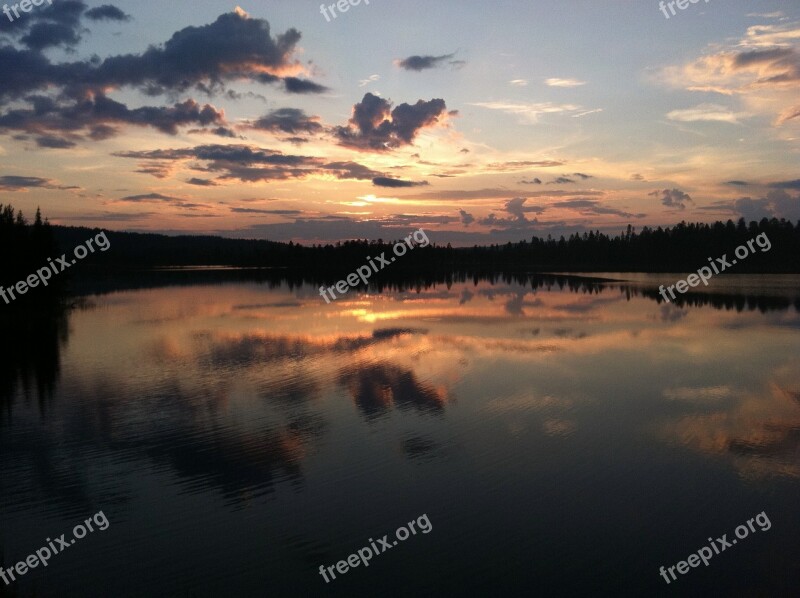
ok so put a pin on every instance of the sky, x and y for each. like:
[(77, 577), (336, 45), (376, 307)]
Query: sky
[(478, 122)]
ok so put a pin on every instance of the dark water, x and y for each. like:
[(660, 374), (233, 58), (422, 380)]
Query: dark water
[(563, 438)]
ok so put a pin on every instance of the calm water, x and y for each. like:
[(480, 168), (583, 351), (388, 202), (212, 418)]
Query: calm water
[(563, 440)]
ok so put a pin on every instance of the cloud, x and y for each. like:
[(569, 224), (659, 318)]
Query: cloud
[(518, 82), (492, 193), (531, 182), (790, 113), (737, 183), (235, 47), (586, 112), (368, 80), (763, 68), (672, 198), (54, 142), (295, 85), (466, 218), (107, 12), (288, 120), (94, 115), (583, 176), (59, 25), (562, 180), (23, 183), (148, 197), (795, 184), (272, 212), (251, 163), (594, 207), (523, 164), (376, 126), (201, 182), (517, 208), (531, 112), (776, 204), (383, 181), (420, 63), (77, 105), (707, 112), (554, 82)]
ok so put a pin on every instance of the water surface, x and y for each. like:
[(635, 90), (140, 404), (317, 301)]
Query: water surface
[(564, 438)]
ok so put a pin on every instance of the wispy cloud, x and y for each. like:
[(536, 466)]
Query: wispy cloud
[(531, 112), (707, 112), (556, 82)]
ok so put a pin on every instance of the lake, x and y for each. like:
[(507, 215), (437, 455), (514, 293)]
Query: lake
[(564, 436)]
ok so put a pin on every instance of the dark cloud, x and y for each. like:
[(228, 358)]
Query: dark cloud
[(95, 114), (175, 202), (672, 198), (383, 181), (159, 171), (47, 35), (376, 126), (583, 176), (295, 85), (147, 197), (50, 141), (506, 223), (490, 193), (420, 63), (737, 183), (531, 182), (777, 204), (589, 207), (108, 217), (335, 228), (795, 184), (107, 12), (23, 183), (288, 120), (54, 25), (466, 218), (201, 182), (250, 163), (273, 212), (517, 208), (235, 47), (562, 180)]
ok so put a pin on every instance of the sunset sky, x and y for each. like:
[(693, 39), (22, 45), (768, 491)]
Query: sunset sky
[(480, 122)]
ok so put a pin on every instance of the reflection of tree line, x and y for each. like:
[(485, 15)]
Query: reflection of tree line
[(406, 282), (30, 356)]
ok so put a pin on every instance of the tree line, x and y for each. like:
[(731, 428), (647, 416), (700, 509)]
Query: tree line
[(680, 248)]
